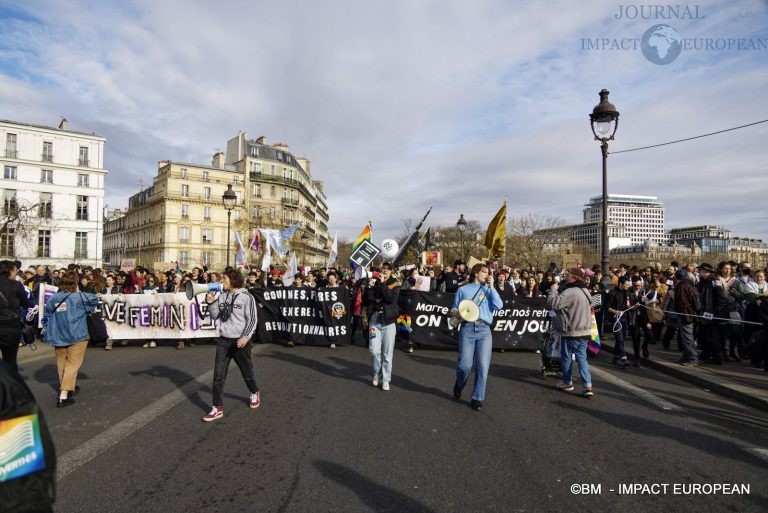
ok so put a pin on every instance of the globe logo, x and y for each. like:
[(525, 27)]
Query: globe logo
[(661, 44)]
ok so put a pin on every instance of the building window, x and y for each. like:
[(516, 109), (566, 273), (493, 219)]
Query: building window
[(254, 151), (207, 213), (272, 169), (185, 191), (183, 258), (46, 205), (237, 215), (185, 211), (8, 242), (257, 190), (82, 180), (44, 243), (207, 236), (206, 257), (47, 152), (46, 176), (183, 234), (82, 208), (10, 206), (255, 167), (237, 180), (272, 191), (81, 245), (9, 173), (183, 172), (205, 176), (83, 156), (10, 146), (206, 192)]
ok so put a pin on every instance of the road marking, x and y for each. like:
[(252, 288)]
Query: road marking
[(759, 452), (87, 451), (643, 394)]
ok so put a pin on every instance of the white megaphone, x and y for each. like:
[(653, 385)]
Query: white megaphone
[(193, 289)]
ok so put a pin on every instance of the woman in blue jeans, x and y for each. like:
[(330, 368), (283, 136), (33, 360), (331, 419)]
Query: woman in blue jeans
[(382, 293), (475, 343)]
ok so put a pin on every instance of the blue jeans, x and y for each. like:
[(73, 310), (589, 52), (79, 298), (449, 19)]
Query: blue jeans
[(577, 346), (381, 346), (475, 345)]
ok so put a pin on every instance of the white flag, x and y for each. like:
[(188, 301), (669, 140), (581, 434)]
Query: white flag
[(267, 260), (334, 250), (293, 268), (240, 255)]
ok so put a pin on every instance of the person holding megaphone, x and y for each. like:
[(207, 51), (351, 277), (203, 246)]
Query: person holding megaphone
[(474, 304), (235, 309)]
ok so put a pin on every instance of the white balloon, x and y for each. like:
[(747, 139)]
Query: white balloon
[(389, 248)]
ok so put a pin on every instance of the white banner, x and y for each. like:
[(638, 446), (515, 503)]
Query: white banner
[(149, 316)]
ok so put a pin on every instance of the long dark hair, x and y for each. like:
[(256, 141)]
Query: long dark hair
[(476, 269)]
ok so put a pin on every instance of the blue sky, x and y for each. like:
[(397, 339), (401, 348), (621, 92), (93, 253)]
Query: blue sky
[(400, 105)]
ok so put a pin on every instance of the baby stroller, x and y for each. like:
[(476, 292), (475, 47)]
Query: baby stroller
[(550, 354)]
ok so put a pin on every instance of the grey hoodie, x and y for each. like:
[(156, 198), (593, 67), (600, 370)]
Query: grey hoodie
[(573, 309), (242, 320)]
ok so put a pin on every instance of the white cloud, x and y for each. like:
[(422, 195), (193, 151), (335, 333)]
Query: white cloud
[(402, 105)]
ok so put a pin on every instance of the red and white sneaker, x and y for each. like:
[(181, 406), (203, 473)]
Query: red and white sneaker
[(255, 400), (216, 413)]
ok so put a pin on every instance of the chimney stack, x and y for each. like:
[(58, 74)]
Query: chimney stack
[(63, 124), (218, 160)]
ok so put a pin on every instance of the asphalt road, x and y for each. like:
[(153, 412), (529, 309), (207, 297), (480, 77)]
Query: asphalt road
[(324, 439)]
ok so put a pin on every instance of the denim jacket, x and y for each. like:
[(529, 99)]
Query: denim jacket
[(68, 324)]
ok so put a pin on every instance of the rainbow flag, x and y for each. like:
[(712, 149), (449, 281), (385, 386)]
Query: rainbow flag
[(366, 234)]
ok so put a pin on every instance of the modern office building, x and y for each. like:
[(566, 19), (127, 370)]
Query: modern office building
[(53, 194), (641, 216)]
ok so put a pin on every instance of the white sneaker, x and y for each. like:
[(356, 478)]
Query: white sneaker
[(146, 344), (332, 346), (375, 381), (152, 344), (385, 387)]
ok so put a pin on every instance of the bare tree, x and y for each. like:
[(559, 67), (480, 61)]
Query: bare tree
[(525, 249), (19, 219)]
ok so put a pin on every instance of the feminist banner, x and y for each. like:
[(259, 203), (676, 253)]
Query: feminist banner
[(149, 316), (315, 317), (520, 324)]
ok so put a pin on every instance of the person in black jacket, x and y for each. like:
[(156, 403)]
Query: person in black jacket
[(12, 298), (618, 302), (714, 299), (382, 295), (31, 485)]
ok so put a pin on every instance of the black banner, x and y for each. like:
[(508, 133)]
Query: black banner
[(314, 317), (519, 325)]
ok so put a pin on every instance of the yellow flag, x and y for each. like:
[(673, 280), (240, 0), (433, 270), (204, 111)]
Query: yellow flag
[(496, 236)]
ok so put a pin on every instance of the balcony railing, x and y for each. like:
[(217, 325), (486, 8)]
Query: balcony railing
[(82, 162), (47, 157), (11, 154), (263, 177), (291, 202)]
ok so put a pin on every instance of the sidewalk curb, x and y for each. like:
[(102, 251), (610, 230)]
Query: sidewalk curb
[(702, 377)]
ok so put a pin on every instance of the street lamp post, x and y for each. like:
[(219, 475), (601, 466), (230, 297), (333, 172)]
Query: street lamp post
[(229, 199), (461, 224), (604, 120)]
